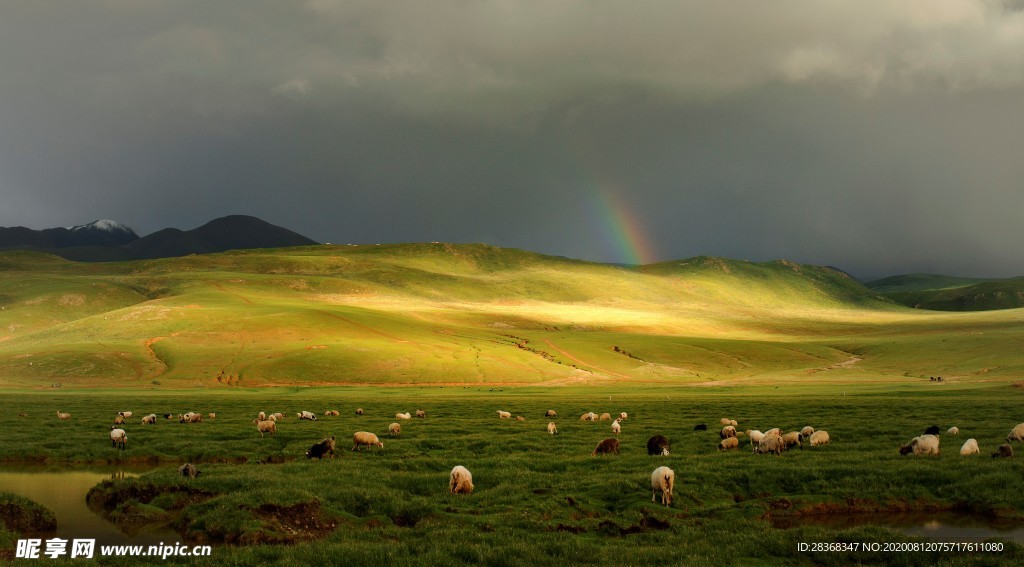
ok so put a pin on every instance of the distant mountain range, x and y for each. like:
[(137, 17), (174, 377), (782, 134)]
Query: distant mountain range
[(946, 293), (108, 241)]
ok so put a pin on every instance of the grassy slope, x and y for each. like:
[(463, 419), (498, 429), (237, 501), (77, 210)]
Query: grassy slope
[(944, 293), (444, 314)]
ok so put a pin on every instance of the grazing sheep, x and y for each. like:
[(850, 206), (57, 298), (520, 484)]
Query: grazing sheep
[(266, 426), (552, 428), (819, 437), (272, 417), (168, 416), (733, 423), (663, 479), (394, 430), (725, 421), (118, 419), (953, 430), (63, 416), (501, 414), (125, 414), (700, 427), (770, 444), (589, 416), (774, 431), (189, 471), (933, 430), (211, 415), (792, 439), (149, 419), (922, 445), (623, 415), (606, 446), (190, 417), (605, 417), (970, 447), (359, 411), (361, 438), (307, 415), (755, 436), (520, 418), (421, 413), (727, 431), (460, 481), (1017, 434), (278, 415), (807, 431), (118, 437), (657, 445), (262, 416), (729, 443), (550, 413), (407, 415), (1004, 451), (322, 449), (330, 413), (616, 428)]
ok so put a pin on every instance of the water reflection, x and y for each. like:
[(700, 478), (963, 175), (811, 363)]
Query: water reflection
[(63, 491)]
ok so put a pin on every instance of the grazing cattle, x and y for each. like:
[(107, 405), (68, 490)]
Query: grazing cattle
[(322, 449), (657, 445), (606, 446)]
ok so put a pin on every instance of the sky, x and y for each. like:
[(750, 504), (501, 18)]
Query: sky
[(879, 137)]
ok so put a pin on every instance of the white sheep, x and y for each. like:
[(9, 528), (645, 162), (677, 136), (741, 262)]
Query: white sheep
[(727, 431), (266, 426), (262, 416), (774, 431), (771, 443), (725, 421), (605, 417), (307, 415), (365, 438), (552, 429), (807, 431), (63, 416), (149, 419), (755, 436), (118, 437), (733, 423), (278, 415), (504, 414), (1017, 434), (792, 439), (125, 414), (623, 415), (211, 415), (394, 429), (970, 447), (953, 430), (922, 445), (589, 416), (820, 437), (663, 479), (421, 413), (616, 428), (460, 481), (729, 443)]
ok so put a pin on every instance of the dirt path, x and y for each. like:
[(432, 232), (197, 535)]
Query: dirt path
[(587, 364), (152, 355)]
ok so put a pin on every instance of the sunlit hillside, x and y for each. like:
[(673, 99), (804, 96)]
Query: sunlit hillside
[(468, 314)]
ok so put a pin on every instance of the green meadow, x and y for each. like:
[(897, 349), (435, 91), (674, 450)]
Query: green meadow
[(462, 331)]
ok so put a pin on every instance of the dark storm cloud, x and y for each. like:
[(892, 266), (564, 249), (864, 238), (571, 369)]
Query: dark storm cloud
[(881, 137)]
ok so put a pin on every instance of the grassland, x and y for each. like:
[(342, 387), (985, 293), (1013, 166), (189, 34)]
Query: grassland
[(539, 499), (439, 314)]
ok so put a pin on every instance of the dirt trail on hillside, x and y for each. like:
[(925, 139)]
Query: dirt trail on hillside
[(152, 355), (587, 364)]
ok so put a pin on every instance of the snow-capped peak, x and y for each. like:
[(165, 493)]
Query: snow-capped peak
[(105, 225)]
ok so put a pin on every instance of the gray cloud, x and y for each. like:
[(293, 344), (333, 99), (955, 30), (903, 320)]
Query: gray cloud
[(878, 136)]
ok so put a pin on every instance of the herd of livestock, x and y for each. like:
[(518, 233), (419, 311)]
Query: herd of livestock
[(662, 479)]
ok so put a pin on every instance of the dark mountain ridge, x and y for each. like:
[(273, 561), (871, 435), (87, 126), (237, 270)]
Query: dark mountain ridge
[(107, 241)]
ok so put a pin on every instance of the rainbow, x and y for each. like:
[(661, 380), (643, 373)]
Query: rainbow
[(620, 229)]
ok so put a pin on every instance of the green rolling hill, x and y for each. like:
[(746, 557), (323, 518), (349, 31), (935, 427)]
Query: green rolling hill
[(450, 315), (945, 293)]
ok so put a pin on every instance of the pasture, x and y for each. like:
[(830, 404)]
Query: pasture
[(539, 499)]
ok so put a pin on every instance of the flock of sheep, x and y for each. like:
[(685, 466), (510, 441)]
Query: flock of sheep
[(662, 478), (928, 443)]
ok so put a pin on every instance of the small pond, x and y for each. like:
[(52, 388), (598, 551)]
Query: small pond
[(63, 491), (937, 526)]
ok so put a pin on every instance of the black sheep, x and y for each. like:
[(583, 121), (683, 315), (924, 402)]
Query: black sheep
[(657, 445), (322, 449)]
